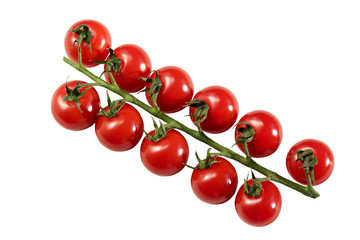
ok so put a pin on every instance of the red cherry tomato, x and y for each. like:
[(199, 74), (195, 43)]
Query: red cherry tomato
[(100, 42), (259, 211), (167, 156), (223, 109), (216, 184), (322, 170), (135, 63), (268, 133), (177, 89), (121, 132), (68, 115)]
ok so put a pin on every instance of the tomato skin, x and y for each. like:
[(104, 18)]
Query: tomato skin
[(223, 109), (135, 63), (268, 133), (177, 89), (68, 115), (322, 170), (217, 184), (100, 42), (121, 132), (259, 211), (167, 156)]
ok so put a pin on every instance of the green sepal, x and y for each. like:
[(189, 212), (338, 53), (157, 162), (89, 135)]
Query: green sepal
[(84, 34), (247, 133), (209, 160), (75, 94), (160, 132), (112, 64), (114, 107), (201, 112), (309, 160), (155, 88), (255, 189), (202, 109)]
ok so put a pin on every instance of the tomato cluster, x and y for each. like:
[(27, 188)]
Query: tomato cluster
[(164, 151)]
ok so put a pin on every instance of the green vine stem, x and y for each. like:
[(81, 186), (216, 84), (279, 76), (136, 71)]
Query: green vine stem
[(199, 135)]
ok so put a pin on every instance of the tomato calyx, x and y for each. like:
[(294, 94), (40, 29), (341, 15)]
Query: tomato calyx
[(75, 94), (155, 88), (256, 187), (84, 35), (309, 160), (112, 64), (113, 107), (201, 112), (245, 134), (209, 160), (159, 131)]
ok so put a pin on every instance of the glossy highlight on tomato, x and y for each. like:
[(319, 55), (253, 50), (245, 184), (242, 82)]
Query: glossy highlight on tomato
[(322, 170), (68, 115), (177, 89), (100, 42), (268, 133), (167, 156), (135, 63), (223, 109), (216, 184), (121, 132), (259, 211)]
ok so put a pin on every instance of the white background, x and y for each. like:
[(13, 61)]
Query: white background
[(296, 59)]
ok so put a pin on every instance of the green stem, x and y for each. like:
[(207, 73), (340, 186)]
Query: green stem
[(246, 150), (308, 179), (199, 135), (113, 81), (79, 54)]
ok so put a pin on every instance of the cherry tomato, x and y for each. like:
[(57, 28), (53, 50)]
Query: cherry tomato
[(216, 184), (177, 89), (167, 156), (223, 109), (100, 42), (121, 132), (68, 115), (322, 170), (268, 133), (135, 63), (259, 211)]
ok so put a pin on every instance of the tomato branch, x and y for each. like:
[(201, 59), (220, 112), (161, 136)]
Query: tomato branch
[(199, 135)]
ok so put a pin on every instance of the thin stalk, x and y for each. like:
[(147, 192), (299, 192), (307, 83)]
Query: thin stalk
[(246, 150), (79, 53), (113, 81), (199, 135), (308, 179)]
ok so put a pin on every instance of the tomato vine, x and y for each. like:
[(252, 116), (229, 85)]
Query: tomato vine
[(164, 151), (197, 134)]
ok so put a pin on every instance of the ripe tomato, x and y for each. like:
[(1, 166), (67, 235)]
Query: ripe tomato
[(166, 156), (259, 211), (177, 89), (223, 109), (322, 170), (268, 133), (68, 115), (216, 184), (100, 42), (135, 63), (121, 132)]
